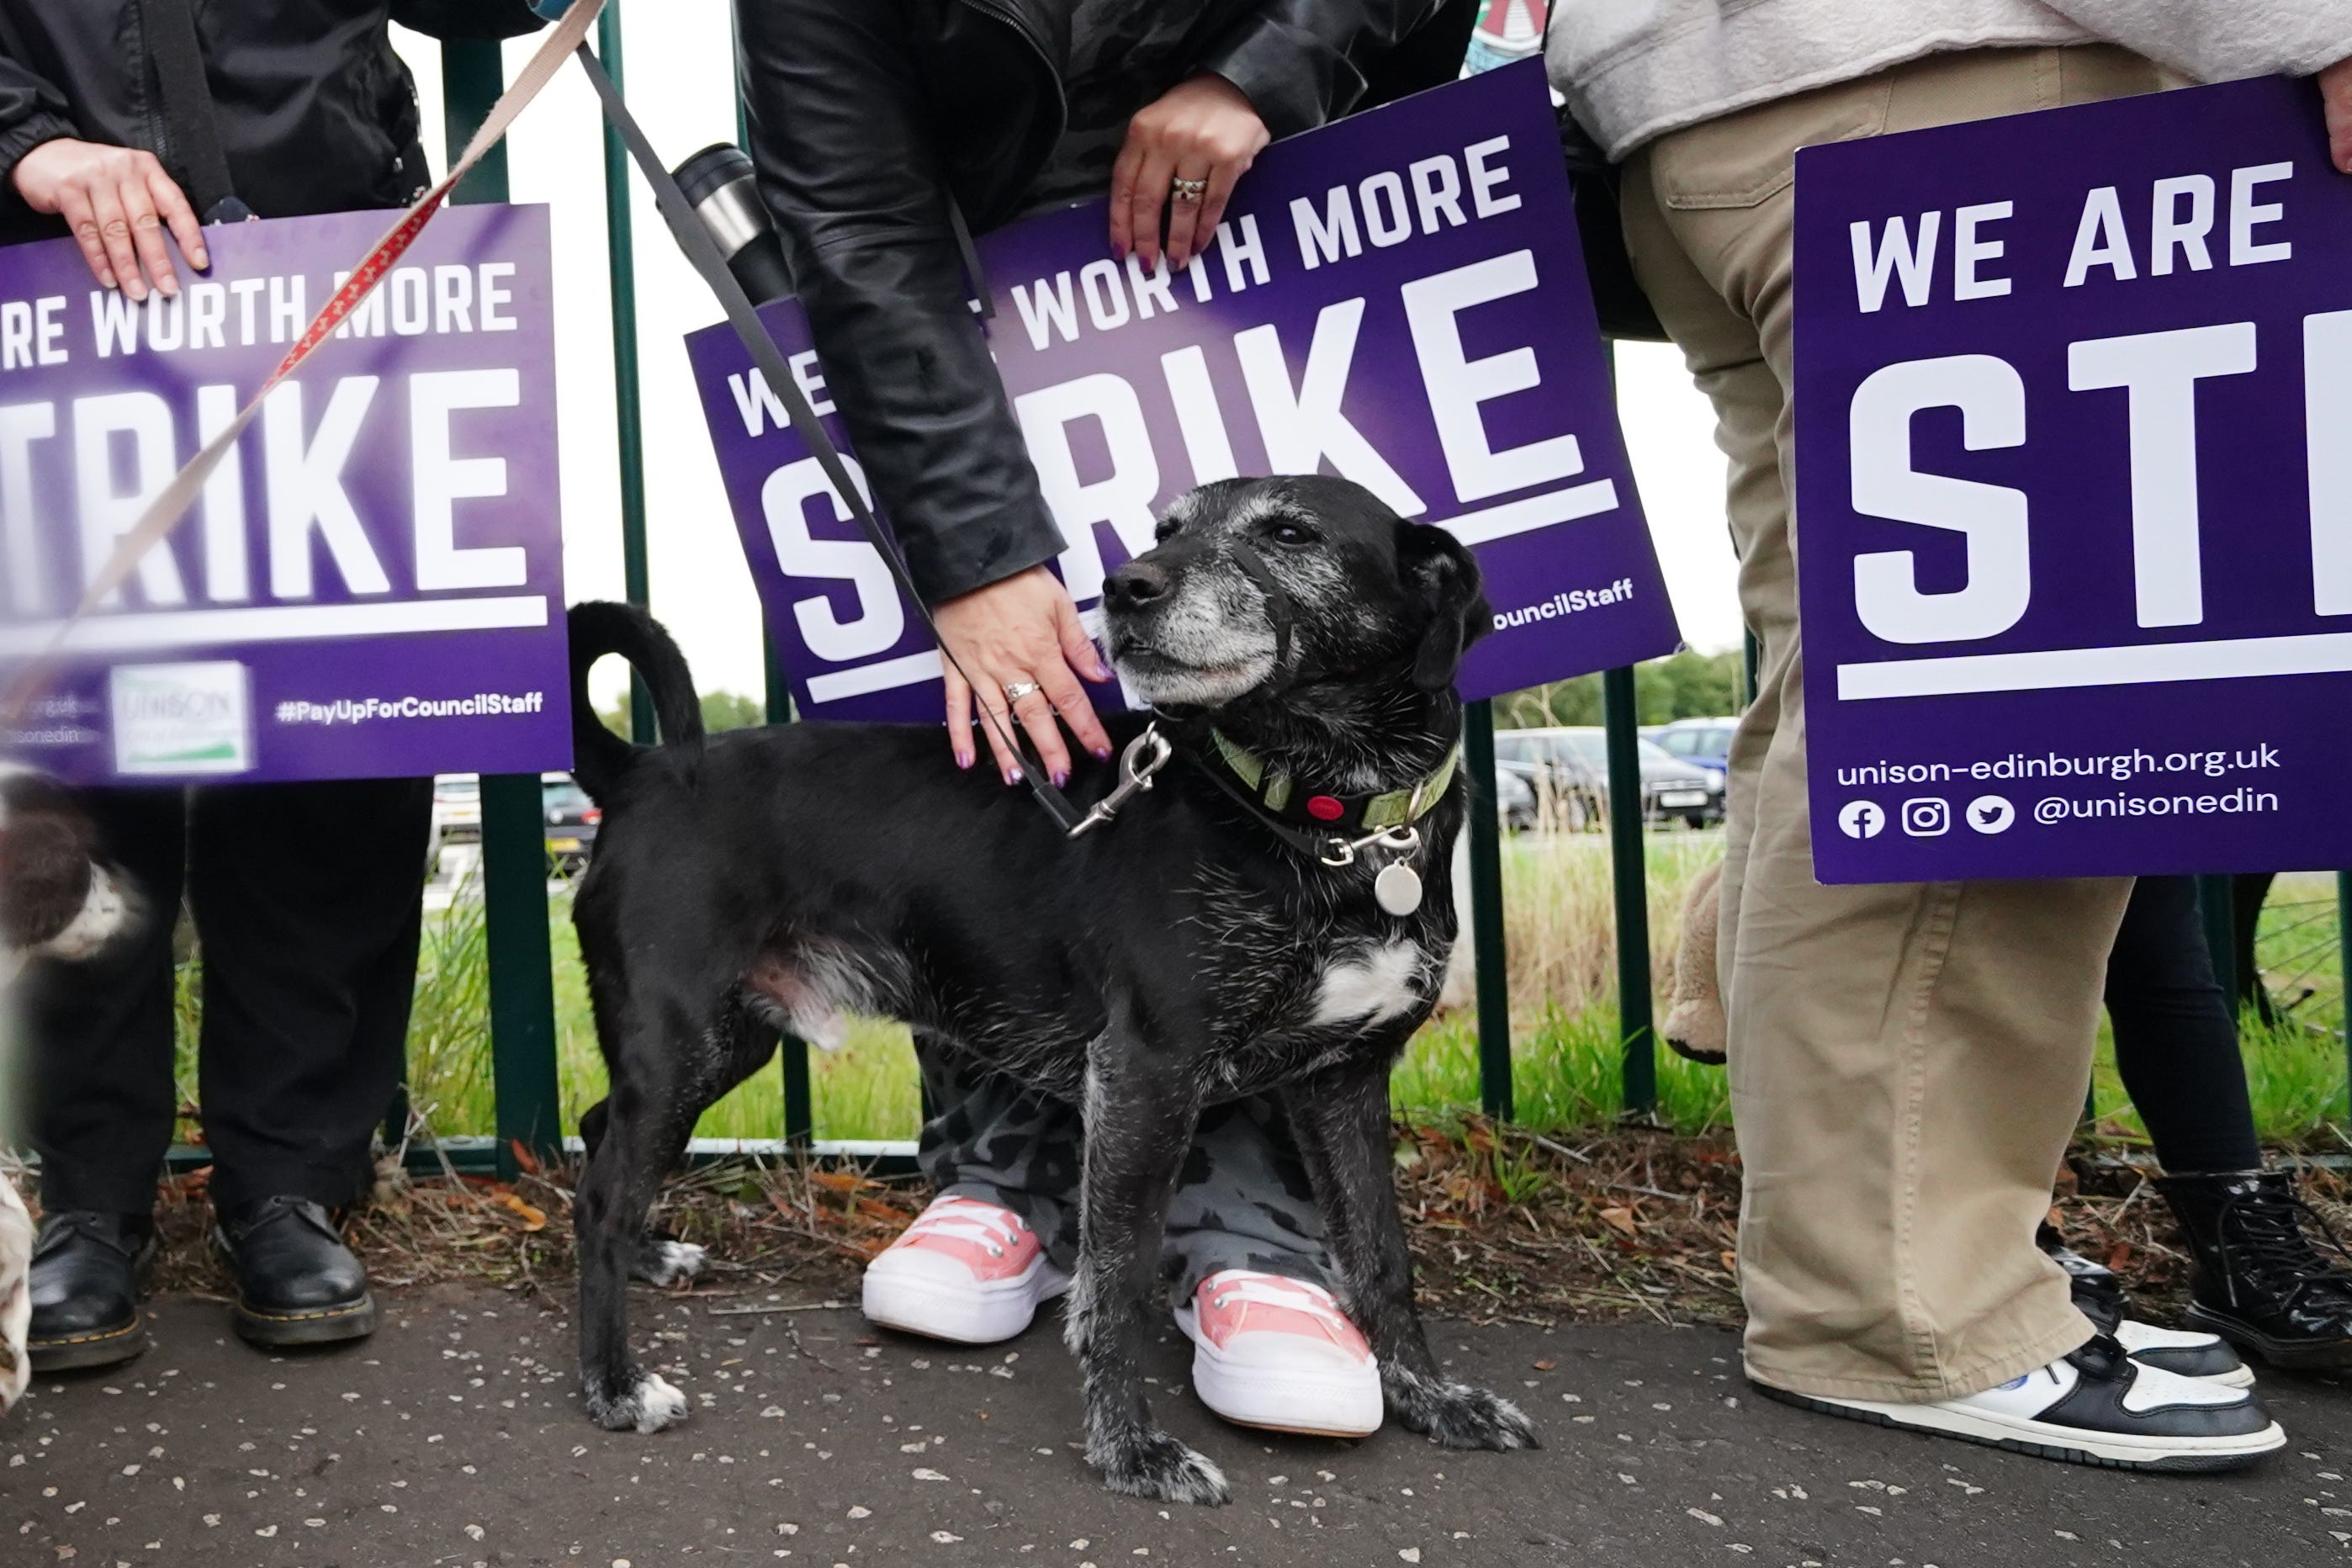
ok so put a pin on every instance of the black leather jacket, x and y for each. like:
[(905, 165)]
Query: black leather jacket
[(316, 114), (866, 116)]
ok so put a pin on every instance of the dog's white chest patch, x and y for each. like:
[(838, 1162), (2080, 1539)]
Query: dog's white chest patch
[(1370, 986), (103, 911)]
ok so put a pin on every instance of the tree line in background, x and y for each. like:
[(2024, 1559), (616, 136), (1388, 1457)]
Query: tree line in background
[(720, 710), (1685, 685)]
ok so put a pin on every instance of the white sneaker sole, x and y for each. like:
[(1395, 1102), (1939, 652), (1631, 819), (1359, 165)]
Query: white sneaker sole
[(974, 1314), (2071, 1445), (1319, 1401)]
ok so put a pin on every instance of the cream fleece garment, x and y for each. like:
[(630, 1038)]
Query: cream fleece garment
[(1634, 69)]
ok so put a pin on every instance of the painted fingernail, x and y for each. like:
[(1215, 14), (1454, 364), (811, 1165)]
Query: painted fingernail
[(1061, 777), (964, 759), (1102, 753), (1013, 775)]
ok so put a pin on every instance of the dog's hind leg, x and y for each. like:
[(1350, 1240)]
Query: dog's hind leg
[(658, 1260), (741, 1045), (1341, 1119), (658, 1055), (1140, 1108)]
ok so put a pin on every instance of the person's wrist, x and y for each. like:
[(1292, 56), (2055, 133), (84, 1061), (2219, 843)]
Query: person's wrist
[(30, 161)]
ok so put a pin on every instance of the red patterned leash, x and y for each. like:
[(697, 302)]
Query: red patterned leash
[(171, 503)]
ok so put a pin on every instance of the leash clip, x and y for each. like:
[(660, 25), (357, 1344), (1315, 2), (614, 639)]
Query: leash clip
[(1145, 755), (1400, 841)]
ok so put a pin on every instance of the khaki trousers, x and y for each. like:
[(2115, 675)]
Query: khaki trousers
[(1907, 1061)]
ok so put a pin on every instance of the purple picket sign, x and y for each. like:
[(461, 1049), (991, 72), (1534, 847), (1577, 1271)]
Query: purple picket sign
[(1399, 298), (2075, 492), (371, 585)]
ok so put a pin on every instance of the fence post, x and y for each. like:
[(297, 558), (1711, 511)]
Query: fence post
[(628, 418), (1629, 866), (2344, 962), (1490, 947), (792, 1051), (514, 824)]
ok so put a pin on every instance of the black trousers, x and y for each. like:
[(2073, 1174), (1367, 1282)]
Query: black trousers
[(2176, 1035), (307, 901)]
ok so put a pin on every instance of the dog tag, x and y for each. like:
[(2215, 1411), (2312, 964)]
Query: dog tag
[(1397, 889)]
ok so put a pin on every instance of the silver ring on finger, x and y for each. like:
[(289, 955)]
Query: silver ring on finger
[(1019, 690), (1188, 190)]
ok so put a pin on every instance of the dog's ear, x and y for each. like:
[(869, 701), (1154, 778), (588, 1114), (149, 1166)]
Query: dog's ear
[(1442, 573)]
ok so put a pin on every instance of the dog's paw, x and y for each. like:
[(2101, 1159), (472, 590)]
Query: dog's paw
[(1455, 1414), (648, 1404), (668, 1262), (1147, 1463)]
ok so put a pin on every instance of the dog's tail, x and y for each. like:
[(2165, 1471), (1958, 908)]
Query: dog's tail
[(598, 627)]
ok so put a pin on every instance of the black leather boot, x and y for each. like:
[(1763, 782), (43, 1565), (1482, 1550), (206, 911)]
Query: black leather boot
[(297, 1283), (88, 1272), (2261, 1280)]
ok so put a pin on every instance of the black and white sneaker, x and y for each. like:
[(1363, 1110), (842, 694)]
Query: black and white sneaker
[(2097, 1406), (2099, 1296)]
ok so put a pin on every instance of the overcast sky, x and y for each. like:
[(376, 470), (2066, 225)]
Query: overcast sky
[(678, 80)]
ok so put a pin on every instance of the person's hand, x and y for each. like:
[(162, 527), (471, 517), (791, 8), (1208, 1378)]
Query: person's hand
[(1022, 631), (2335, 99), (1201, 128), (118, 201)]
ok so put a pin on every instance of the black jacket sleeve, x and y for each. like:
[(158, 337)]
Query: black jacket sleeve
[(31, 112), (1298, 61), (467, 18), (849, 168)]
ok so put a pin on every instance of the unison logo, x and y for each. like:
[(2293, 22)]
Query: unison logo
[(181, 719)]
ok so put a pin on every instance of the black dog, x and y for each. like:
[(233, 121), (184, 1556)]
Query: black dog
[(1219, 938)]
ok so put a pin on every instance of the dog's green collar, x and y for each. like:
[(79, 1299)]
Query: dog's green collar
[(1280, 794)]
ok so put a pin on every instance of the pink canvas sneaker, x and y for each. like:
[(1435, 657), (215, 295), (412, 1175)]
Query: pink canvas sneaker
[(1279, 1353), (966, 1271)]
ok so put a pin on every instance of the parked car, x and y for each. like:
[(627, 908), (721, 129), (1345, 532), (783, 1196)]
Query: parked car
[(456, 809), (1671, 789), (1567, 788), (570, 818), (571, 822), (1514, 798), (1701, 742)]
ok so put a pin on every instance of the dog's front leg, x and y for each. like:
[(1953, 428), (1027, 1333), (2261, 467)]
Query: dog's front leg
[(1140, 1108), (1341, 1119)]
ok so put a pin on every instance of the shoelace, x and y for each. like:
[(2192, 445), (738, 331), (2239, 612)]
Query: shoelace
[(1275, 1290), (967, 1219), (2263, 1228), (65, 1224), (2102, 1357)]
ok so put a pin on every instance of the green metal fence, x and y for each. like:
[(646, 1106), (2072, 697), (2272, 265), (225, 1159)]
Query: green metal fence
[(522, 1023)]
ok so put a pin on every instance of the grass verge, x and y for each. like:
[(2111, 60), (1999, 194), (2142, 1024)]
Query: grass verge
[(1566, 1055)]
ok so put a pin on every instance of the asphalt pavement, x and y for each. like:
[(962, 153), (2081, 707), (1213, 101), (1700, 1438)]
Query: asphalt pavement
[(454, 1437)]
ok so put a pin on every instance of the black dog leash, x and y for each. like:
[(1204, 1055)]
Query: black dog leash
[(702, 251)]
